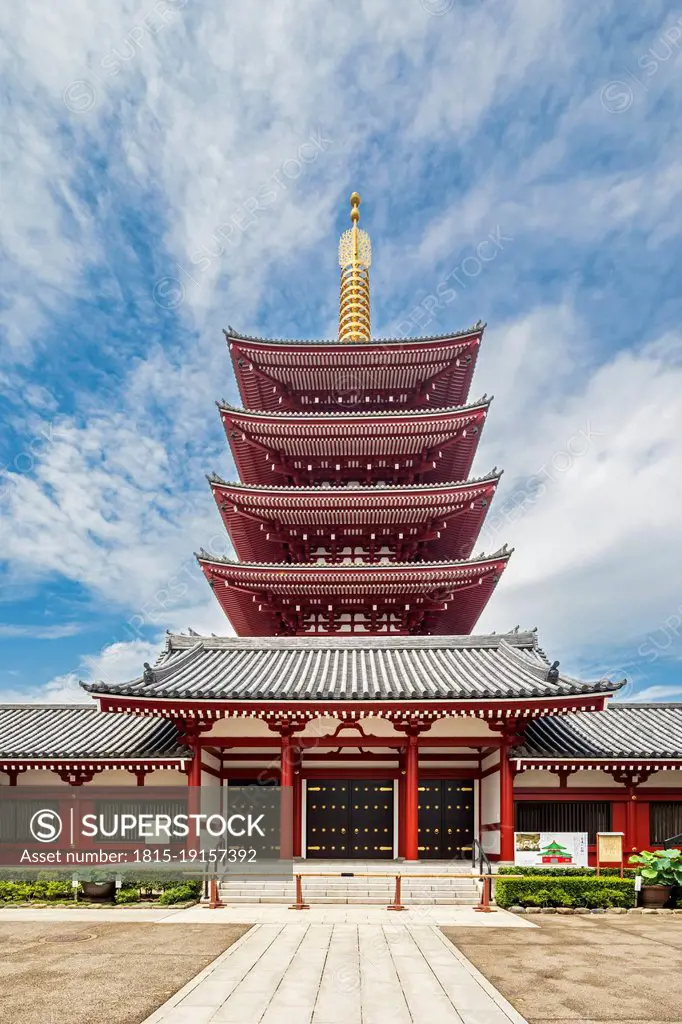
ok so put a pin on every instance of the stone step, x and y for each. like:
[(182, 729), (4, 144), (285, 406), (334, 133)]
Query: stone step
[(359, 890), (367, 901)]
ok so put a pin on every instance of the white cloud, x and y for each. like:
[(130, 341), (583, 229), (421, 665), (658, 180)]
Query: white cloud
[(592, 484), (40, 632), (655, 693)]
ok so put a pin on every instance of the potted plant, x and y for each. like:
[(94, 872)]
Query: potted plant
[(98, 885), (661, 871)]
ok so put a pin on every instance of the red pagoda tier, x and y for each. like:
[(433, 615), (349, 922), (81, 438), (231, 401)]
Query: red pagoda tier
[(403, 597), (423, 446), (329, 376), (422, 522), (354, 512)]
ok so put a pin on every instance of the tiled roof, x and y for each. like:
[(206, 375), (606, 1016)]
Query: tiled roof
[(622, 730), (325, 342), (83, 731), (492, 666)]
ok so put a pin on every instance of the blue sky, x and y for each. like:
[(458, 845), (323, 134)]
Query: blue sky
[(173, 168)]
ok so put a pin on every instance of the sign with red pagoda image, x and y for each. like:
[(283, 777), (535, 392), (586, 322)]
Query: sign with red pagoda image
[(550, 849)]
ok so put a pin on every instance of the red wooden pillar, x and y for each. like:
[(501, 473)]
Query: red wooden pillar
[(195, 767), (412, 797), (298, 801), (629, 844), (286, 795), (506, 803), (401, 805)]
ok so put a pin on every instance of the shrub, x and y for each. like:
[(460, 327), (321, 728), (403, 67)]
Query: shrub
[(555, 872), (24, 892), (129, 895), (180, 893), (572, 891)]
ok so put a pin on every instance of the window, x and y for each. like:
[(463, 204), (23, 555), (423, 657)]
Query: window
[(665, 821), (16, 815), (570, 816)]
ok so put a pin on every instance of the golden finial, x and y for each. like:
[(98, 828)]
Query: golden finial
[(355, 257)]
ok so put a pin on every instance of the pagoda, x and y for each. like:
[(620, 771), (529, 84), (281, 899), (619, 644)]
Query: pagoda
[(354, 512)]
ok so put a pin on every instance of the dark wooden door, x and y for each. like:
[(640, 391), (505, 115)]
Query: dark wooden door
[(446, 818), (371, 819), (328, 818), (430, 819), (351, 818)]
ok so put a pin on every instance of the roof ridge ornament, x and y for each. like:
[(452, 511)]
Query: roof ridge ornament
[(355, 258)]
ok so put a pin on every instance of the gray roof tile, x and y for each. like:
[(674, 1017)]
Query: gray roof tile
[(623, 730), (83, 731), (498, 666)]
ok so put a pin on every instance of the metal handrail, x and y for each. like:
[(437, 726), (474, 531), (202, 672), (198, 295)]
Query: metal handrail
[(672, 841), (483, 859)]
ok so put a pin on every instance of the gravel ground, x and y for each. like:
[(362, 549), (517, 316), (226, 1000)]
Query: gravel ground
[(90, 973), (584, 970)]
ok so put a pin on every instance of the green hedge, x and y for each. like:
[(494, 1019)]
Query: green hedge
[(572, 891), (566, 872), (26, 889), (26, 892), (181, 893)]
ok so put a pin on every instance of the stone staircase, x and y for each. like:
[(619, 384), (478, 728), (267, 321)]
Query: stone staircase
[(359, 890)]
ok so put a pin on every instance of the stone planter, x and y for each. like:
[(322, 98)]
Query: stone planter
[(99, 890), (655, 896)]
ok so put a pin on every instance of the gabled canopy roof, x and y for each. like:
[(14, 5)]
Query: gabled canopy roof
[(431, 597), (435, 446), (332, 375), (496, 666), (37, 731), (431, 521), (623, 730)]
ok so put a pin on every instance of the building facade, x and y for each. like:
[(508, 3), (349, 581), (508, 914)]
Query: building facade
[(354, 680)]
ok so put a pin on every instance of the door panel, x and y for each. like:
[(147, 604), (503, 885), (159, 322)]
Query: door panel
[(328, 818), (371, 819), (430, 819), (446, 818), (351, 818)]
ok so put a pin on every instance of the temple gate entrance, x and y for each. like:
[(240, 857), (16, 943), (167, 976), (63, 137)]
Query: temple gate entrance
[(349, 818)]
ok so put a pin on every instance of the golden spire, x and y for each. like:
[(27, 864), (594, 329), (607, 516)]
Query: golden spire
[(355, 257)]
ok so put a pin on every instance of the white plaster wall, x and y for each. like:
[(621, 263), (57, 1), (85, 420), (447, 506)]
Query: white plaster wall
[(460, 726), (211, 761), (37, 777), (584, 779), (490, 799), (113, 777), (166, 777), (539, 779), (490, 760), (664, 780), (238, 727)]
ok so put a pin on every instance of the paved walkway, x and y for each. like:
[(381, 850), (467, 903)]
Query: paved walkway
[(316, 973), (264, 913)]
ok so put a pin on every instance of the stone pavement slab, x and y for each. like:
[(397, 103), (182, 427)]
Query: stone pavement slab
[(308, 972)]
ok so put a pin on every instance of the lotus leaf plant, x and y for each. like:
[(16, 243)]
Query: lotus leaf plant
[(659, 867)]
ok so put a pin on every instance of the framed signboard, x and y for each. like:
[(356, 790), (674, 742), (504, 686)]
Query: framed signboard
[(550, 849), (610, 849)]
